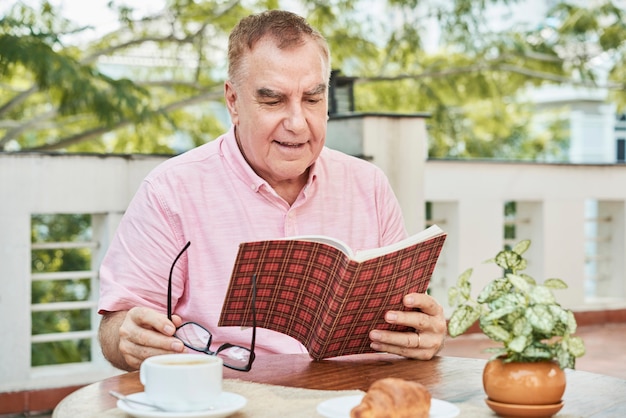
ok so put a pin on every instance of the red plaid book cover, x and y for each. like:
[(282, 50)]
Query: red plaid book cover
[(316, 294)]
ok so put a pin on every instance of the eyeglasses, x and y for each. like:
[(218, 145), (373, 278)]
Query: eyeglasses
[(198, 338)]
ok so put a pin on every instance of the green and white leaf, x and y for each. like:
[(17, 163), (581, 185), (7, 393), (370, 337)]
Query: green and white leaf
[(518, 344), (540, 318), (521, 326), (519, 283), (571, 322), (521, 247), (555, 284), (494, 290), (538, 353), (576, 346), (495, 332), (462, 318), (541, 295), (508, 260), (499, 313)]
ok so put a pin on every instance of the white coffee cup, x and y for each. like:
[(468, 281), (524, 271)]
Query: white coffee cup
[(182, 382)]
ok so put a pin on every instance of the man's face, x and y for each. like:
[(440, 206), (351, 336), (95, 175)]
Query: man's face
[(279, 108)]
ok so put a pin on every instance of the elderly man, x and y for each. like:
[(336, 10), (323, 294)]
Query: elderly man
[(269, 176)]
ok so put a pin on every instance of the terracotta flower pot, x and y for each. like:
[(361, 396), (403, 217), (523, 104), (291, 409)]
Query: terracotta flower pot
[(540, 383)]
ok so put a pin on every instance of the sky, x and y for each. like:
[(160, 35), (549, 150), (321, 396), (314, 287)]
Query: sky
[(91, 12)]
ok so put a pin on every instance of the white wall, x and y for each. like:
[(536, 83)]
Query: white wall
[(36, 183)]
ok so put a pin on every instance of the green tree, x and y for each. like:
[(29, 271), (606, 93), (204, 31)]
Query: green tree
[(58, 95), (473, 84)]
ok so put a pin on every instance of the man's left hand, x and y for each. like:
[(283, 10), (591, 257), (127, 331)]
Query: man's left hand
[(426, 317)]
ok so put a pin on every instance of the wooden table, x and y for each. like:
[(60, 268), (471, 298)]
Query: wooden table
[(453, 379)]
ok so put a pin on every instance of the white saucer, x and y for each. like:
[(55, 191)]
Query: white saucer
[(228, 403), (340, 407)]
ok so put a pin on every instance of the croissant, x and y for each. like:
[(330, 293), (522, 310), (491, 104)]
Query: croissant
[(394, 398)]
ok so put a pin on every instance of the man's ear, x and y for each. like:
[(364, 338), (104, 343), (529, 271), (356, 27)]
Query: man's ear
[(230, 96)]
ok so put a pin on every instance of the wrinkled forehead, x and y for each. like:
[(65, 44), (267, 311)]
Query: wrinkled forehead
[(305, 58), (269, 47)]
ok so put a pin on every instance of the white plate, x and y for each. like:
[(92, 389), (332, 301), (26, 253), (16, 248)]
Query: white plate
[(340, 407), (227, 404)]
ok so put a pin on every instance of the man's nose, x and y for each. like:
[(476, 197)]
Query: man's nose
[(295, 119)]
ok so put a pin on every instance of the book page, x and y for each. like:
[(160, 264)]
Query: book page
[(333, 242), (424, 235)]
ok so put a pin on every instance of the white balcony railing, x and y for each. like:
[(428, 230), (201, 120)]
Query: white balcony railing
[(574, 215)]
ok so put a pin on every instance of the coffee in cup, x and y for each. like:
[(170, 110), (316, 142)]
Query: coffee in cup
[(182, 382)]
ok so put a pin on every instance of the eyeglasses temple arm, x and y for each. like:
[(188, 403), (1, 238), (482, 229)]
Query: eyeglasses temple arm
[(169, 283), (253, 312)]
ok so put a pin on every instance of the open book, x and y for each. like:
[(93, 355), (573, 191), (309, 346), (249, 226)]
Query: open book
[(317, 291)]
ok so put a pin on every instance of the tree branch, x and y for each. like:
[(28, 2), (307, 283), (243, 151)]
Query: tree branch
[(508, 68), (12, 133), (93, 133)]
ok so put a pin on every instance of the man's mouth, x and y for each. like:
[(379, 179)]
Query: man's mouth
[(289, 144)]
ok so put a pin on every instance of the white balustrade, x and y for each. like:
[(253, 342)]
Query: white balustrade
[(467, 200)]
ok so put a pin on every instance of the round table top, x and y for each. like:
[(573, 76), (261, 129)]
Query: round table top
[(454, 379)]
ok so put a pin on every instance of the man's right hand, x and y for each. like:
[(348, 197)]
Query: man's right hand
[(129, 337)]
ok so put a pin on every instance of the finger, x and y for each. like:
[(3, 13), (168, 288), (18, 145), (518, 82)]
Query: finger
[(409, 339), (146, 333), (428, 317), (149, 328), (147, 318), (177, 320), (425, 303), (407, 344)]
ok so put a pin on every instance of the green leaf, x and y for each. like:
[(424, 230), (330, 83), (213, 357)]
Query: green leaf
[(571, 322), (464, 277), (541, 295), (499, 313), (576, 346), (529, 279), (509, 299), (519, 283), (565, 359), (518, 344), (453, 296), (521, 326), (508, 260), (521, 246), (461, 319), (540, 318), (495, 332), (538, 352), (460, 293), (561, 315), (555, 284), (494, 290)]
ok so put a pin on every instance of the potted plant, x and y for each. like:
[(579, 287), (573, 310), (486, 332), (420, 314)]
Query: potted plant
[(534, 331)]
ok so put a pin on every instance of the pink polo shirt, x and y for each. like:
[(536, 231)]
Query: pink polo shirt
[(211, 197)]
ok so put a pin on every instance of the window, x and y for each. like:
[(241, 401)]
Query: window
[(510, 224), (63, 281), (621, 150)]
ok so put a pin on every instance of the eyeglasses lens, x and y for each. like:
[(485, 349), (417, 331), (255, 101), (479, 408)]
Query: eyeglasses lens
[(194, 336), (199, 338), (235, 356)]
